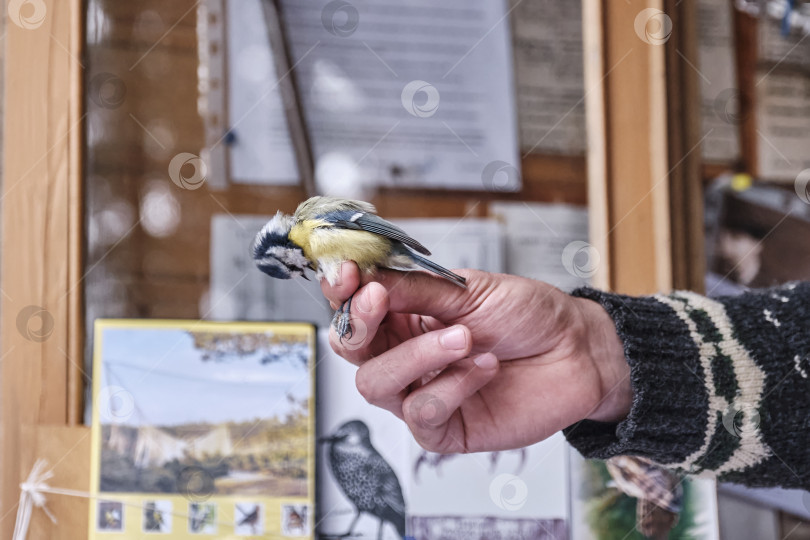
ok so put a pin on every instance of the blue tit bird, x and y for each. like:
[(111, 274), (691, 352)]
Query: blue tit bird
[(326, 231)]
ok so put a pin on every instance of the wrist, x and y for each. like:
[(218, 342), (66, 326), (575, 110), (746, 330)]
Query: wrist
[(607, 354)]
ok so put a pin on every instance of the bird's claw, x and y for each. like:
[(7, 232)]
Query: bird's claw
[(341, 321), (343, 327)]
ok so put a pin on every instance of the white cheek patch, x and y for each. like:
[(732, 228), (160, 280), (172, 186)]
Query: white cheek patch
[(290, 257), (270, 262)]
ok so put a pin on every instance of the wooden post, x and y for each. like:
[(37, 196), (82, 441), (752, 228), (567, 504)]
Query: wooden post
[(41, 266), (628, 162)]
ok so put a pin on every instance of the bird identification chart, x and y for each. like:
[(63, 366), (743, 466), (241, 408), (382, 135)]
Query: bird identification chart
[(521, 493), (550, 86), (202, 430), (363, 458)]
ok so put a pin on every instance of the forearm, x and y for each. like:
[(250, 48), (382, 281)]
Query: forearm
[(719, 387)]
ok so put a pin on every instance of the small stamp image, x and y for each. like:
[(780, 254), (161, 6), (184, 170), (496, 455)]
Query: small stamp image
[(248, 518), (157, 516), (110, 516), (295, 519), (202, 518)]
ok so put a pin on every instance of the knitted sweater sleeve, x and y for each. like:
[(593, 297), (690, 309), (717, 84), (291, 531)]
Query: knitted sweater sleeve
[(721, 387)]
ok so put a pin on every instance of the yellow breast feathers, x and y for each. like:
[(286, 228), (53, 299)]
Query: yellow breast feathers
[(320, 240)]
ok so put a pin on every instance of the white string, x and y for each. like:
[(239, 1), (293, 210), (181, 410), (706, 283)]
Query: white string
[(30, 496), (33, 492)]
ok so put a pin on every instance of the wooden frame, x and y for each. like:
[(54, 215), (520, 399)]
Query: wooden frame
[(41, 267)]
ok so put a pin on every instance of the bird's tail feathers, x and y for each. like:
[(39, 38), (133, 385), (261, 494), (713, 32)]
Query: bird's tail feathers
[(400, 525), (440, 270)]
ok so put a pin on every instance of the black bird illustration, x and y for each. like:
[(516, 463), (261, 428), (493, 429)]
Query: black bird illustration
[(434, 461), (367, 480), (250, 517)]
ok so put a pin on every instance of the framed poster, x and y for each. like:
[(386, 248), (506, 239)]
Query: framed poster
[(202, 428)]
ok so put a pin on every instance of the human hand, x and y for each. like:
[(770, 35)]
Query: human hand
[(503, 364)]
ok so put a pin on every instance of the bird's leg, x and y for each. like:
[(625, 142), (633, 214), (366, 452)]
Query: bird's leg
[(380, 530), (350, 532), (341, 320)]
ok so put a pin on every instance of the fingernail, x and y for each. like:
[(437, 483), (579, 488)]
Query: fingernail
[(455, 338), (486, 361)]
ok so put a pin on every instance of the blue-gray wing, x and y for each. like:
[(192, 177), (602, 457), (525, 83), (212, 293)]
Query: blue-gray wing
[(372, 223)]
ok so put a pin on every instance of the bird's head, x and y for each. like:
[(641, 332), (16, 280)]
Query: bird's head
[(275, 254), (354, 432)]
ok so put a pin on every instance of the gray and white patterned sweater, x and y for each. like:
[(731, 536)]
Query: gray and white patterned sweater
[(721, 386)]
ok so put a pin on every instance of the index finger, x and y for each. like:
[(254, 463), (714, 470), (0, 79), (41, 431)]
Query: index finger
[(420, 292), (412, 291)]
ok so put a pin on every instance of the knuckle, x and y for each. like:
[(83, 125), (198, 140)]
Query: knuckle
[(429, 350), (366, 387), (411, 418), (428, 347)]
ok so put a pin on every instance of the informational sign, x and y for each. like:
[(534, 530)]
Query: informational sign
[(791, 50), (783, 124), (416, 95), (720, 97), (547, 39)]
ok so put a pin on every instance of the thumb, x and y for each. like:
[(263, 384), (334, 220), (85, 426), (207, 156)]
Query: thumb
[(426, 294)]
